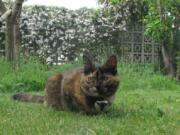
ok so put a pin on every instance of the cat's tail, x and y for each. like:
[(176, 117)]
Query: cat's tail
[(28, 98)]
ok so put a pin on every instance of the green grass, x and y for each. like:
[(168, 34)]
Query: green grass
[(147, 103), (133, 113), (31, 75)]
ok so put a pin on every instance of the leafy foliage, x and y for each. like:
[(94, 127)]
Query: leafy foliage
[(161, 19)]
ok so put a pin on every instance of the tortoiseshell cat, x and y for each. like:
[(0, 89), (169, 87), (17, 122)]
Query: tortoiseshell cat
[(90, 89)]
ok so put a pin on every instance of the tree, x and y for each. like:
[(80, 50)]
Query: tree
[(162, 23), (161, 19), (12, 18)]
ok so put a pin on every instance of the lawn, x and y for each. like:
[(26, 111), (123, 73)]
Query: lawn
[(147, 103), (136, 112)]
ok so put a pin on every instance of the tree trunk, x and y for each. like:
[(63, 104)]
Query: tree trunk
[(12, 32), (9, 39), (12, 41), (176, 36), (166, 50), (168, 61)]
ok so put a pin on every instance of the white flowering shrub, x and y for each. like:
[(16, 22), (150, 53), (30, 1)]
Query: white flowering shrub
[(56, 34), (59, 35)]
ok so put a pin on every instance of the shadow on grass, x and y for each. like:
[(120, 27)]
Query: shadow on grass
[(115, 113), (122, 112)]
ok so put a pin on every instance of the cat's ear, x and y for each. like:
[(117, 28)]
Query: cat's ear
[(89, 66), (111, 65)]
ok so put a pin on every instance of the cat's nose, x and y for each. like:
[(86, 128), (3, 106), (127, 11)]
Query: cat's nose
[(102, 104), (97, 87)]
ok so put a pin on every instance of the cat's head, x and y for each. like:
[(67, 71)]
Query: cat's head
[(100, 80)]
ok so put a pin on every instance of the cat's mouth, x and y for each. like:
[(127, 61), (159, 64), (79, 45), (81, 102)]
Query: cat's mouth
[(102, 106)]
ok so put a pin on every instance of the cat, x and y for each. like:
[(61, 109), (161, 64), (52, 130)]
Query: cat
[(90, 89)]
